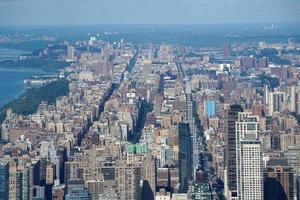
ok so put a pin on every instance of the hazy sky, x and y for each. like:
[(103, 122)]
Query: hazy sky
[(73, 12)]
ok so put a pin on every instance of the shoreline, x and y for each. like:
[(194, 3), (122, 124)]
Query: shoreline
[(25, 105), (17, 83)]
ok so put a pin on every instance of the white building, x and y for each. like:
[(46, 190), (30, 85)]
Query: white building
[(276, 102), (249, 158), (71, 54)]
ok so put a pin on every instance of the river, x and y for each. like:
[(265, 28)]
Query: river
[(12, 80)]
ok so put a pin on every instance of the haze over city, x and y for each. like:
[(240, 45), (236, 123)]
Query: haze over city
[(78, 12), (149, 99)]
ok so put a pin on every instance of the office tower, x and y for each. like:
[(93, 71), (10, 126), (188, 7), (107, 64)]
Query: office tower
[(15, 182), (230, 154), (266, 94), (38, 193), (149, 177), (26, 183), (295, 99), (201, 191), (262, 62), (227, 50), (278, 180), (184, 156), (248, 158), (95, 188), (193, 131), (50, 174), (163, 178), (276, 102), (293, 156), (174, 179), (71, 54), (210, 108), (76, 190), (4, 174), (128, 181)]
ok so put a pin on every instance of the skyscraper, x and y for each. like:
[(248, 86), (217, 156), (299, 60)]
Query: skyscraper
[(293, 157), (71, 54), (149, 177), (76, 190), (190, 119), (227, 50), (184, 156), (249, 158), (278, 180), (15, 181), (128, 181), (210, 108), (230, 154), (295, 99), (276, 100), (266, 94), (4, 174), (201, 191)]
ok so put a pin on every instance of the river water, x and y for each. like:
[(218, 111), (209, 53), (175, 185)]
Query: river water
[(12, 80)]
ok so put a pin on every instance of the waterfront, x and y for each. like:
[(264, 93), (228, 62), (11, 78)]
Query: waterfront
[(12, 80), (11, 54), (12, 83)]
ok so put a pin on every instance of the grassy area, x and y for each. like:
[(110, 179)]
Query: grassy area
[(45, 65), (145, 108), (132, 62), (28, 103)]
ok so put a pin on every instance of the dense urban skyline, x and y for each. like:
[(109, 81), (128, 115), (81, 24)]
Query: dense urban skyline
[(149, 100)]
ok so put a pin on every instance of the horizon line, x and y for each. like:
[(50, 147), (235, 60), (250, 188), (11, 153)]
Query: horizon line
[(150, 24)]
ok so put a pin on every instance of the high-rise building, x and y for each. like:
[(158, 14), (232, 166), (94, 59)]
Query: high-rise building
[(266, 94), (184, 156), (230, 165), (189, 117), (293, 156), (4, 174), (38, 193), (210, 108), (248, 158), (50, 174), (71, 54), (149, 177), (201, 191), (76, 190), (278, 180), (15, 182), (128, 179), (276, 102), (227, 50), (95, 188), (26, 183), (295, 99)]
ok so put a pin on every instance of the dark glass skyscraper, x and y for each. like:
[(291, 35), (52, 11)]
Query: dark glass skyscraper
[(231, 147), (185, 156), (4, 174), (189, 118), (76, 190), (278, 180)]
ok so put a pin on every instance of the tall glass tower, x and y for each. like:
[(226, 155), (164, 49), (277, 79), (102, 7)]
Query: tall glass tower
[(190, 119)]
